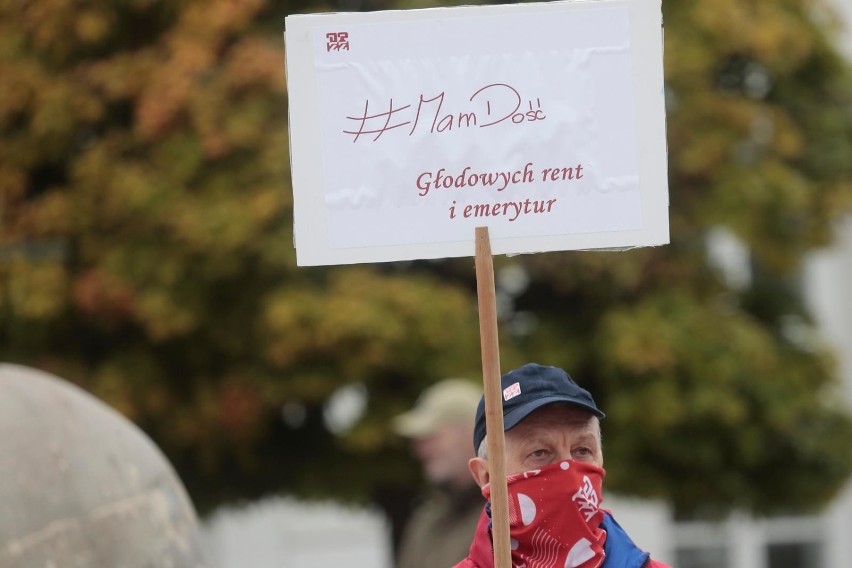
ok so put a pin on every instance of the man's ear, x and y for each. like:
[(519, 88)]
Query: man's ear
[(479, 470)]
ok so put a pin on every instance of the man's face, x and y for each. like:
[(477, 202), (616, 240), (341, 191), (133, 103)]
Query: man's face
[(445, 453), (550, 434)]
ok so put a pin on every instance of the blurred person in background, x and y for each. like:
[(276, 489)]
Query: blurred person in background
[(554, 467), (440, 427)]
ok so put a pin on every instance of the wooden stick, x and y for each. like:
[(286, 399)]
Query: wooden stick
[(493, 399)]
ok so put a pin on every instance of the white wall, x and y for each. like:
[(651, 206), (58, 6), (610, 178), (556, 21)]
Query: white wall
[(828, 285), (284, 533), (649, 524)]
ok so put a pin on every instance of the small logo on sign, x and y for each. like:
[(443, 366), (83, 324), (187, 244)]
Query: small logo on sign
[(337, 41), (511, 391)]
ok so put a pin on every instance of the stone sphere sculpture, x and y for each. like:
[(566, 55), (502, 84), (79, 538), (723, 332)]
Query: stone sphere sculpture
[(82, 486)]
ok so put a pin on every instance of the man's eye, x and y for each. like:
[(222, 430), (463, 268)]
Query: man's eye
[(582, 452), (539, 453)]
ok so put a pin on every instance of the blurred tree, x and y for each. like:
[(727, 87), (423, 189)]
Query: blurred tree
[(146, 253), (147, 249)]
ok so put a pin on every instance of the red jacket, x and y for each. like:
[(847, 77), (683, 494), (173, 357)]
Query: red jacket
[(482, 556)]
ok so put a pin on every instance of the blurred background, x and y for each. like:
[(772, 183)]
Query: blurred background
[(146, 256)]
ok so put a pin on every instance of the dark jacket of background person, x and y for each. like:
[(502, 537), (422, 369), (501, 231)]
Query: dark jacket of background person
[(440, 427), (439, 533)]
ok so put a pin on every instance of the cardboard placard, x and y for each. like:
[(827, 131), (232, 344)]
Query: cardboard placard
[(543, 122)]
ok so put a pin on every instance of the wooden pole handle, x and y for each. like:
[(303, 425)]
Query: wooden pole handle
[(493, 399)]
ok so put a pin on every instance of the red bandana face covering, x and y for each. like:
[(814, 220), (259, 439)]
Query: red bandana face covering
[(554, 519)]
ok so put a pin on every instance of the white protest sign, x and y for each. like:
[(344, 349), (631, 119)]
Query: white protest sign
[(543, 122)]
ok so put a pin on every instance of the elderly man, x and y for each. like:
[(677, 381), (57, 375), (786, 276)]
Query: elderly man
[(554, 464), (440, 427)]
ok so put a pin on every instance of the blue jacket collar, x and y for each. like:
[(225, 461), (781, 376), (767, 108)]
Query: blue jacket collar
[(620, 551)]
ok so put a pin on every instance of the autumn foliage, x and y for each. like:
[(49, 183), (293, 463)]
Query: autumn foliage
[(146, 254)]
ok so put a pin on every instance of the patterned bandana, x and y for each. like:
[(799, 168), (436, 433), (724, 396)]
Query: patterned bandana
[(554, 519)]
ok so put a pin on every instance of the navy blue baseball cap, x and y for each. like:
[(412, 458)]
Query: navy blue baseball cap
[(528, 388)]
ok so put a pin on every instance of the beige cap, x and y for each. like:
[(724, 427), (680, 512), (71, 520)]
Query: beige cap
[(445, 402)]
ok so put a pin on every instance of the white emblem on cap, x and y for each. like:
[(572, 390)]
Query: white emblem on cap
[(511, 391)]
